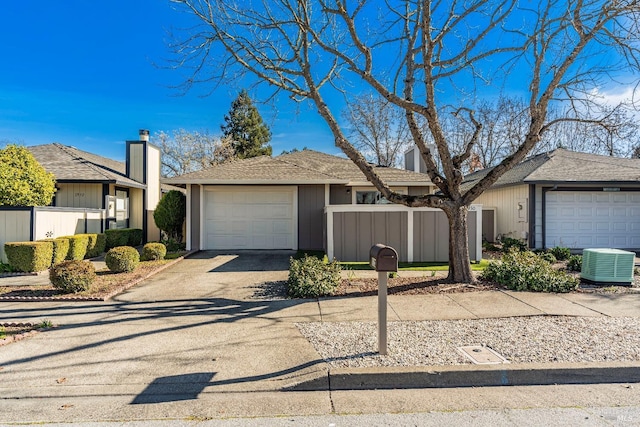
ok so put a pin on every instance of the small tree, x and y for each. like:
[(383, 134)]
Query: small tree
[(23, 181), (170, 214), (244, 125)]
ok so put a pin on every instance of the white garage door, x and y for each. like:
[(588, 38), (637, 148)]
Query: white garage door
[(593, 219), (243, 217)]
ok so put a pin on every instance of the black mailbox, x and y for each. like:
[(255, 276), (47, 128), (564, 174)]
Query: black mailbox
[(383, 258)]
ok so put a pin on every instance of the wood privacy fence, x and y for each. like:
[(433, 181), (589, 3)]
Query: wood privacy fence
[(24, 224), (417, 234)]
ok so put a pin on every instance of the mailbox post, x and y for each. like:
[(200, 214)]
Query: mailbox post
[(384, 259)]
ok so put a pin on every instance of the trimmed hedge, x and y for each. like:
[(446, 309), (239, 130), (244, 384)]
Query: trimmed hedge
[(153, 252), (60, 249), (77, 246), (72, 276), (95, 245), (122, 259), (123, 237), (29, 257)]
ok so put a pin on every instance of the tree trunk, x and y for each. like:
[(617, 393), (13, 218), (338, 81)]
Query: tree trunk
[(459, 266)]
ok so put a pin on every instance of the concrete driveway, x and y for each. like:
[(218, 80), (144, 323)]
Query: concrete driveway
[(183, 343)]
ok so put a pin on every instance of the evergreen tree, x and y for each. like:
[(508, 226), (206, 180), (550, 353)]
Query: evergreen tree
[(23, 181), (249, 134)]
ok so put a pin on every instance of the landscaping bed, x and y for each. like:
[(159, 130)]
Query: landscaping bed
[(106, 284)]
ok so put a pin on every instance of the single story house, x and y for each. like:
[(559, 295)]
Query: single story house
[(309, 200), (127, 191), (566, 198)]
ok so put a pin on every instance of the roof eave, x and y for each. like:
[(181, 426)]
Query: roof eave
[(206, 181)]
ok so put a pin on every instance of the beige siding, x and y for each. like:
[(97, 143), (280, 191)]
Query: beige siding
[(57, 222), (79, 195), (310, 217), (136, 208), (15, 226), (153, 177), (510, 220), (136, 161), (153, 232), (354, 233)]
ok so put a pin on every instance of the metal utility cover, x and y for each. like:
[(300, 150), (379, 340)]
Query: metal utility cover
[(482, 355)]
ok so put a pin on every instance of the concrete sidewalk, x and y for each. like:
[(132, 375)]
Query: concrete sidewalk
[(194, 342)]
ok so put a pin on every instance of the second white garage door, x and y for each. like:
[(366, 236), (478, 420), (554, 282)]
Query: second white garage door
[(593, 219), (242, 217)]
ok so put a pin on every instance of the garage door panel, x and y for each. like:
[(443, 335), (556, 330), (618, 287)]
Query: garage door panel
[(593, 219), (247, 217)]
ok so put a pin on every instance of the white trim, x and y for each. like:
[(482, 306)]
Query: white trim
[(479, 232), (410, 235), (202, 205), (327, 194), (189, 219), (330, 249), (294, 190)]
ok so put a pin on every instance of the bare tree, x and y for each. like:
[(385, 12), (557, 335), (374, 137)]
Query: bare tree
[(424, 57), (377, 128), (184, 151)]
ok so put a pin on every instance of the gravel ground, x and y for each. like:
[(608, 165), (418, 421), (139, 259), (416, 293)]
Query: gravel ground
[(541, 339)]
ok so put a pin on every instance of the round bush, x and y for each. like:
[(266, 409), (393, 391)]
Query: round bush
[(547, 256), (153, 252), (311, 277), (72, 276), (122, 259), (574, 263), (560, 253)]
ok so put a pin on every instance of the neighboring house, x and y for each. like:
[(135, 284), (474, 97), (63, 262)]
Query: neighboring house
[(310, 201), (566, 198), (127, 191)]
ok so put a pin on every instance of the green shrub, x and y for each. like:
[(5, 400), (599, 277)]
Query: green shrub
[(574, 263), (123, 237), (525, 271), (173, 246), (547, 256), (116, 237), (77, 246), (122, 259), (95, 244), (60, 249), (29, 257), (134, 237), (170, 213), (72, 276), (510, 242), (310, 277), (153, 252), (560, 253), (101, 243)]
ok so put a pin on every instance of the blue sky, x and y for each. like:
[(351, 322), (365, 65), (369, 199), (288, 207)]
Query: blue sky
[(90, 74)]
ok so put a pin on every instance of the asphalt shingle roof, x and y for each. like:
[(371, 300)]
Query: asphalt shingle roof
[(301, 167), (70, 164), (565, 166)]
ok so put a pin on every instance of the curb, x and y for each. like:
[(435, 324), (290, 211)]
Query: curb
[(458, 376)]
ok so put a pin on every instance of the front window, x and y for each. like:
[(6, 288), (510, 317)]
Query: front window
[(369, 197)]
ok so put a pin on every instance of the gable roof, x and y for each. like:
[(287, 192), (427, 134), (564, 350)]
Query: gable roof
[(300, 167), (565, 166), (68, 164)]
